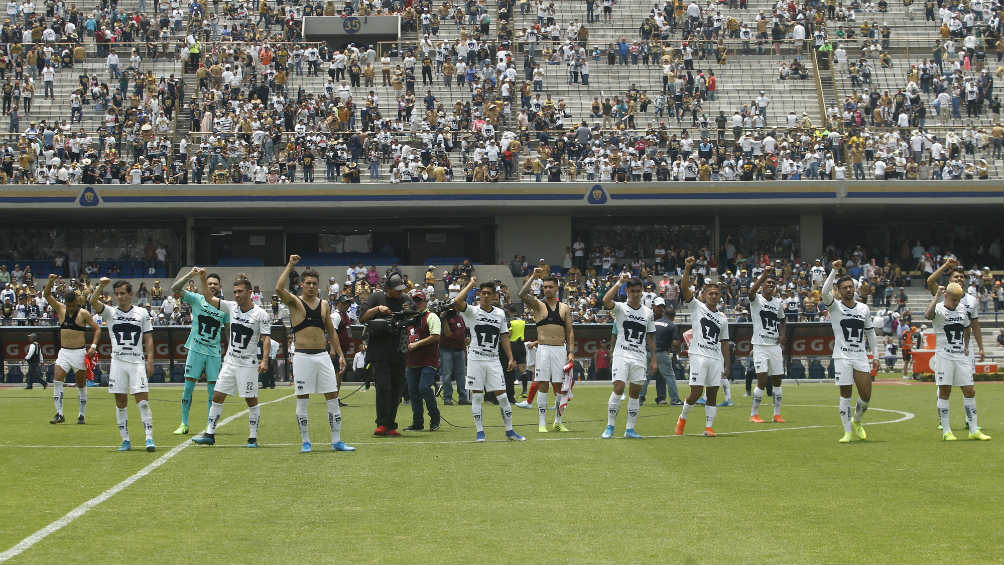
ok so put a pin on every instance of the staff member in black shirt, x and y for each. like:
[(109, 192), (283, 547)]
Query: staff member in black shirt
[(667, 344), (34, 359), (384, 352)]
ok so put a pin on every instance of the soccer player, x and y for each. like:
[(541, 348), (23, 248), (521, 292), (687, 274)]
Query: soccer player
[(635, 328), (72, 321), (132, 363), (852, 324), (555, 346), (203, 345), (768, 323), (709, 348), (313, 371), (952, 366), (488, 327), (239, 373)]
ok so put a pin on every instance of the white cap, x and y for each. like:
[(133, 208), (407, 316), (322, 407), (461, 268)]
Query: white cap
[(658, 301)]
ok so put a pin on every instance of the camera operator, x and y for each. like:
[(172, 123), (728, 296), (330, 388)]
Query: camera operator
[(423, 360), (452, 358), (384, 351)]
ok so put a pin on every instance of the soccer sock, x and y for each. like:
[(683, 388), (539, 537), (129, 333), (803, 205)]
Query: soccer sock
[(757, 399), (211, 388), (57, 396), (533, 392), (301, 418), (859, 410), (559, 407), (634, 406), (686, 410), (186, 400), (146, 416), (122, 417), (254, 417), (525, 377), (969, 404), (477, 399), (335, 420), (777, 401), (943, 412), (613, 407), (506, 408), (727, 389), (215, 411), (709, 415), (82, 399), (541, 410), (845, 413)]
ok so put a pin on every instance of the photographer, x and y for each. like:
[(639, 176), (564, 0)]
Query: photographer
[(384, 352), (423, 359)]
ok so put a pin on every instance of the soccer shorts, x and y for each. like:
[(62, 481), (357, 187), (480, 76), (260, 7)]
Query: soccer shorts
[(484, 375), (706, 371), (953, 372), (768, 359), (71, 360), (844, 369), (631, 372), (313, 373), (238, 380), (549, 366), (198, 363), (127, 378)]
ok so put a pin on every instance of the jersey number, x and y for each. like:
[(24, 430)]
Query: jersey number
[(240, 336), (127, 334), (487, 336), (854, 331), (209, 327)]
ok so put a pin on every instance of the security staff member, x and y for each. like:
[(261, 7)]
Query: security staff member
[(384, 353), (34, 359), (667, 344)]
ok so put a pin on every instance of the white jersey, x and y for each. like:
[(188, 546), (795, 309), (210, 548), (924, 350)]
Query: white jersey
[(126, 329), (949, 331), (972, 309), (246, 329), (487, 328), (767, 314), (849, 327), (707, 329), (632, 325)]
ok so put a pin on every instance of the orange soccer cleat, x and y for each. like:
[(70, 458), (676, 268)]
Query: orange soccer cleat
[(708, 432), (779, 419), (680, 424), (756, 419)]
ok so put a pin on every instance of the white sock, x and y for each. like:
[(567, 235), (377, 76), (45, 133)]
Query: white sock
[(559, 409), (709, 415), (541, 408), (634, 406), (477, 399), (757, 399), (859, 410), (727, 389), (686, 410), (969, 405), (57, 396), (301, 419), (777, 401), (335, 420), (146, 416), (122, 418), (506, 409), (254, 417), (943, 411), (845, 413), (215, 411), (82, 398), (613, 407)]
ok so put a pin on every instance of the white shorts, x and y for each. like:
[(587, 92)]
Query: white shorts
[(844, 369), (71, 360), (630, 372), (951, 372), (127, 378), (706, 371), (549, 366), (313, 373), (484, 375), (768, 359), (238, 380)]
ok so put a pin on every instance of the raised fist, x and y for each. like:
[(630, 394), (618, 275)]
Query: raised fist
[(538, 272), (53, 276), (474, 279), (689, 261), (294, 259), (838, 264), (103, 281), (941, 291), (769, 269), (624, 277)]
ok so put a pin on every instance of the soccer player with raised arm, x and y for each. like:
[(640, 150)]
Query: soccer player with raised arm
[(132, 362), (203, 345), (709, 348), (635, 328), (73, 321), (952, 366), (488, 327), (241, 366), (852, 325), (768, 327)]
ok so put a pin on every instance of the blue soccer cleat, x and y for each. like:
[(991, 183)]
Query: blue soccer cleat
[(305, 448), (608, 432), (726, 404), (126, 446), (480, 436), (204, 439), (513, 436), (631, 434), (701, 401), (150, 446), (252, 442), (342, 446)]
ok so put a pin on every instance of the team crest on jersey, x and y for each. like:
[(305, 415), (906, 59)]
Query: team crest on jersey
[(596, 195)]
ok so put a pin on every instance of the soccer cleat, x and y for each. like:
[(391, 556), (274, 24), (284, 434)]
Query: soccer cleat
[(846, 438), (252, 442), (479, 437), (978, 435), (126, 446), (778, 419), (305, 448), (608, 432), (560, 427), (701, 401), (204, 439), (726, 404), (342, 446), (522, 404), (680, 425), (542, 429), (393, 433), (631, 434), (940, 428), (57, 419), (150, 446), (859, 430), (380, 431), (80, 419), (756, 419), (511, 435), (949, 436), (708, 432), (182, 430)]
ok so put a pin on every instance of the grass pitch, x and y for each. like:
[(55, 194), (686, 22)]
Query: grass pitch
[(764, 493)]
